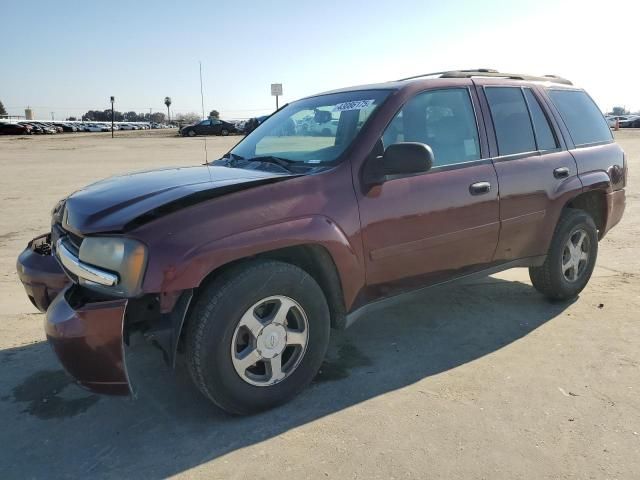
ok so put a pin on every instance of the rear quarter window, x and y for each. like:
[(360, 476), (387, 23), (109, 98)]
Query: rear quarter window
[(581, 115)]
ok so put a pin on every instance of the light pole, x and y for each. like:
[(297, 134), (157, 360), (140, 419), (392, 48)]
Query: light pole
[(167, 102), (113, 99)]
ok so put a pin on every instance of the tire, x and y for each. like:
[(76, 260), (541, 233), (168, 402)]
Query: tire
[(217, 317), (551, 279), (224, 132), (191, 133)]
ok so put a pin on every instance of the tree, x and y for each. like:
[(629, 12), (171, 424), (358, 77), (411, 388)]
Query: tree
[(214, 114), (620, 111), (131, 117), (3, 111), (72, 119), (158, 117), (190, 117), (167, 102)]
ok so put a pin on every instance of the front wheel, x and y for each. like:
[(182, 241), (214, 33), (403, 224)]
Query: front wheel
[(571, 257), (257, 336), (224, 132)]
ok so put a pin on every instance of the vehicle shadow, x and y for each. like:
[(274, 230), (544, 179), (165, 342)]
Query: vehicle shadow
[(53, 429)]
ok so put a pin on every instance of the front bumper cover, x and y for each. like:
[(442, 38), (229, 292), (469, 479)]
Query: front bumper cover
[(87, 338), (40, 272)]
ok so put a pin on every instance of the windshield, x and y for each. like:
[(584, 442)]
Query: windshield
[(311, 132)]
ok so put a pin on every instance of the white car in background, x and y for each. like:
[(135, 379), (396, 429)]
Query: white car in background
[(94, 127)]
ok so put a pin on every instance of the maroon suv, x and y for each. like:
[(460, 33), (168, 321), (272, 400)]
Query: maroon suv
[(245, 263)]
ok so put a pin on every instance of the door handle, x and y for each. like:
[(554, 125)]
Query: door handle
[(561, 172), (479, 188)]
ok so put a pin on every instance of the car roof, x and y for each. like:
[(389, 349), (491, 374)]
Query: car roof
[(485, 73)]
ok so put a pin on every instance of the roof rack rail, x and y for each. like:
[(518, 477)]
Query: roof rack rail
[(488, 72)]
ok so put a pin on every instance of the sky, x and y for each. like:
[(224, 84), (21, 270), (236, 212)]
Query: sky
[(68, 57)]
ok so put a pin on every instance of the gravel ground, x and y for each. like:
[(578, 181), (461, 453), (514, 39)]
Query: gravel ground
[(477, 380)]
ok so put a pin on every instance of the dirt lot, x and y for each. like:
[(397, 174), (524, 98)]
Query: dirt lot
[(483, 380)]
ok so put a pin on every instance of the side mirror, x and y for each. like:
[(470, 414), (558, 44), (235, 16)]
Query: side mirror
[(407, 158)]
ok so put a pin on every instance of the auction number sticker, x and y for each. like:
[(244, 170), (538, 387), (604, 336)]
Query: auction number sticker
[(354, 105)]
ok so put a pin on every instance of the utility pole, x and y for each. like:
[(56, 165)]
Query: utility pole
[(53, 114), (113, 99), (201, 91)]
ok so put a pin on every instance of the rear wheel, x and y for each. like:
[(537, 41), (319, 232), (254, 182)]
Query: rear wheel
[(257, 336), (571, 257)]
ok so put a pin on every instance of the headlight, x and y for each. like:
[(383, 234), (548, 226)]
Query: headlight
[(124, 256)]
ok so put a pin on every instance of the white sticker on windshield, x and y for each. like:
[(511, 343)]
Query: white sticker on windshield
[(354, 105)]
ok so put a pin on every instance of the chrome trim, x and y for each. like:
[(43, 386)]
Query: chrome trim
[(82, 270)]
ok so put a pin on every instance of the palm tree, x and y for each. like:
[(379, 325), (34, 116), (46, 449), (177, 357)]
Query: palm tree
[(167, 102)]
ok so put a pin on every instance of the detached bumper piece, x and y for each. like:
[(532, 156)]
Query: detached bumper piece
[(87, 338), (40, 273)]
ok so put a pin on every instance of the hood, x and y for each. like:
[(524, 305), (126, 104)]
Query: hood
[(119, 202)]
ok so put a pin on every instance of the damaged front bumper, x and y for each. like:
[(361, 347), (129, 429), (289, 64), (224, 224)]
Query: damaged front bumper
[(40, 273), (87, 338), (88, 331)]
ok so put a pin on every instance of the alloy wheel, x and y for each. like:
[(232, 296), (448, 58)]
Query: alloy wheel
[(270, 340)]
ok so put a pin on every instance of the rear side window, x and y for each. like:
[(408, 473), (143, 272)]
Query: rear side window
[(581, 116), (511, 121), (545, 139), (444, 120)]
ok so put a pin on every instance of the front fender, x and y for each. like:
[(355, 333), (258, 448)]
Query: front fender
[(190, 270)]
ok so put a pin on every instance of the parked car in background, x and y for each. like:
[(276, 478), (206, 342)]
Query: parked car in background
[(624, 121), (245, 263), (14, 129), (48, 129), (210, 126), (67, 127), (35, 129)]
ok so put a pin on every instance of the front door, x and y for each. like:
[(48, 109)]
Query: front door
[(422, 229)]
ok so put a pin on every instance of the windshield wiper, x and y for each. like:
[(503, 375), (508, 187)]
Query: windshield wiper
[(281, 162), (232, 160)]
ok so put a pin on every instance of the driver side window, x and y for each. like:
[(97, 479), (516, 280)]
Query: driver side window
[(444, 120)]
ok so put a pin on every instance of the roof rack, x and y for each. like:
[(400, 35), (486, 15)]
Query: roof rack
[(488, 72)]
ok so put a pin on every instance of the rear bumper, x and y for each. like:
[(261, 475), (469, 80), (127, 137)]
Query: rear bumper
[(615, 204), (40, 273), (87, 338)]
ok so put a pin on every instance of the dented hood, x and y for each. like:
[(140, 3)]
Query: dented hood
[(119, 202)]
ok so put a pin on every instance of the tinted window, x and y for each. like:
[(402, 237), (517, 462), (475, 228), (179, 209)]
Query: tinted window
[(581, 116), (544, 135), (510, 120), (444, 120)]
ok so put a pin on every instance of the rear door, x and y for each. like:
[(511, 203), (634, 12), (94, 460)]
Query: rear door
[(425, 228), (536, 174)]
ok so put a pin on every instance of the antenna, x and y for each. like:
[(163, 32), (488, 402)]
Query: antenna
[(206, 156)]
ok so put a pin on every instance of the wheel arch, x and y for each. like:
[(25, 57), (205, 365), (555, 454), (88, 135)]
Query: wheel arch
[(595, 204), (314, 259)]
